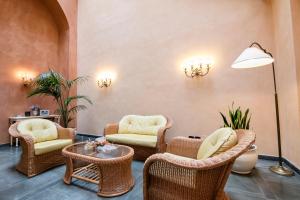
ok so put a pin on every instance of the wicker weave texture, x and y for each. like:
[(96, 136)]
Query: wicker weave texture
[(114, 176), (140, 152), (31, 164), (172, 177)]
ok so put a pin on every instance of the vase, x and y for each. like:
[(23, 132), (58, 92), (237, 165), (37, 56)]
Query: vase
[(246, 162)]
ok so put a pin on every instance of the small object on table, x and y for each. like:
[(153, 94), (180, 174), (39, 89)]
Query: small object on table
[(101, 141), (27, 113), (107, 148), (44, 112), (35, 110), (194, 137), (90, 145)]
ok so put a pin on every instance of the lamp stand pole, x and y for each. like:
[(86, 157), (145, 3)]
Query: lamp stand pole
[(278, 169)]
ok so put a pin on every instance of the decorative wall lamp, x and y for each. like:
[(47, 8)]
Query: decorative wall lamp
[(27, 78), (197, 67), (105, 79)]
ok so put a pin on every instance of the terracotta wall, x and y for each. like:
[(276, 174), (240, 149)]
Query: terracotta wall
[(29, 43), (145, 42), (286, 29)]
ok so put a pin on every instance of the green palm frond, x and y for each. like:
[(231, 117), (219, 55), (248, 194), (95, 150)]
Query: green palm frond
[(77, 108), (53, 84), (78, 80), (68, 100)]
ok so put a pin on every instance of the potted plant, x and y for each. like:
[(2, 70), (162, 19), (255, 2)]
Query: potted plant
[(55, 85), (239, 119)]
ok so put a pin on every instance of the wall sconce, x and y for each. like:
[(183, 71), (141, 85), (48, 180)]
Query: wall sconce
[(197, 67), (105, 79), (27, 78)]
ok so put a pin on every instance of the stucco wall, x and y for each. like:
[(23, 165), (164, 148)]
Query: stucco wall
[(30, 42), (145, 42), (286, 26)]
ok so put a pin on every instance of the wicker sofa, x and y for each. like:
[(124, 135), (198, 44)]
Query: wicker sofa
[(42, 142), (145, 134), (179, 175)]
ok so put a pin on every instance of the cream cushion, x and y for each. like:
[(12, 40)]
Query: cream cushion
[(144, 125), (52, 145), (219, 141), (133, 139), (40, 129)]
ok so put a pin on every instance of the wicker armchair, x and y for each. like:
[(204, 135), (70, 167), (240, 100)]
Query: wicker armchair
[(143, 152), (178, 175), (31, 164)]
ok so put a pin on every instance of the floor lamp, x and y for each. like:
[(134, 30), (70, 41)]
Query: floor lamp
[(256, 56)]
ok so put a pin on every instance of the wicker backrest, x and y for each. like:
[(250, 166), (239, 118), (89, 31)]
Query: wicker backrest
[(169, 177)]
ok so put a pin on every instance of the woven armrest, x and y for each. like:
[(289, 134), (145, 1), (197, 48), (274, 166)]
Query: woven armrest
[(27, 141), (111, 129), (161, 144), (183, 146), (65, 133)]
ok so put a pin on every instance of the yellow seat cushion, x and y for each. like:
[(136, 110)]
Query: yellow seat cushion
[(219, 141), (133, 139), (48, 146), (144, 125), (40, 129)]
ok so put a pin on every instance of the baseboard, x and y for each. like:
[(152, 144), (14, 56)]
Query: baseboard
[(3, 145), (286, 161)]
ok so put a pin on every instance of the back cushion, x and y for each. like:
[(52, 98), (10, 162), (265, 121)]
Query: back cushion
[(144, 125), (40, 129), (218, 142)]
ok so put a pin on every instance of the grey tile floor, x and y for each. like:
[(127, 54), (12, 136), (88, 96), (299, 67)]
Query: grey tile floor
[(262, 184)]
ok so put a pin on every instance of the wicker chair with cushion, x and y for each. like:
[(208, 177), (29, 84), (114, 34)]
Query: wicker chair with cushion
[(42, 141), (178, 174), (145, 134)]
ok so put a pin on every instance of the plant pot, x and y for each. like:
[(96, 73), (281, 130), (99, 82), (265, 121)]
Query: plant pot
[(246, 162)]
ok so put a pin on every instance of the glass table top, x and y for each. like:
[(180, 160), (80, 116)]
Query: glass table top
[(103, 152)]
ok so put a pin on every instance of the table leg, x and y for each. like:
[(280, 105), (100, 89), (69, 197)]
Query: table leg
[(69, 171), (11, 140), (115, 179), (17, 142)]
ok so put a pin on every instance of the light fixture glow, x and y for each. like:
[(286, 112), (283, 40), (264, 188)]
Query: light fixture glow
[(197, 66), (105, 79)]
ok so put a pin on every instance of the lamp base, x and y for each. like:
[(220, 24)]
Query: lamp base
[(281, 170)]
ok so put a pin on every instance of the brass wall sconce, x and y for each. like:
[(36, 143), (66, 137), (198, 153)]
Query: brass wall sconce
[(197, 67), (104, 82), (26, 79), (105, 79)]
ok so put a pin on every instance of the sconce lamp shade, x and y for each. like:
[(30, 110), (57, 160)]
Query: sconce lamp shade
[(252, 57)]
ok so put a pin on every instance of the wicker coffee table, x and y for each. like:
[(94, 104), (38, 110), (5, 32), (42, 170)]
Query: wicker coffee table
[(111, 170)]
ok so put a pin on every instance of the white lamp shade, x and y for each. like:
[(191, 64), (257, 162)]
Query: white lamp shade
[(252, 57)]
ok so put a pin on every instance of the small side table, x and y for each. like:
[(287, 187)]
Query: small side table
[(12, 120)]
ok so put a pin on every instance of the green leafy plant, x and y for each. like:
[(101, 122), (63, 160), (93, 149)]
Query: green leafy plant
[(53, 84), (237, 118)]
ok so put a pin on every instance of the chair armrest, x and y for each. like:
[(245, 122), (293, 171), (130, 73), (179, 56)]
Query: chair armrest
[(183, 146), (65, 133), (111, 129), (161, 143), (27, 141), (186, 174)]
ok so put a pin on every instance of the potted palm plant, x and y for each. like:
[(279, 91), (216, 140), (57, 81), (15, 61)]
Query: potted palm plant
[(53, 84), (239, 119)]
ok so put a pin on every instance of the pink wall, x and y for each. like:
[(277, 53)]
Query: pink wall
[(145, 42), (286, 29), (29, 42)]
